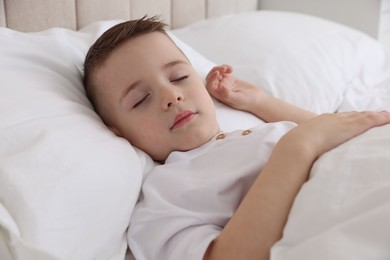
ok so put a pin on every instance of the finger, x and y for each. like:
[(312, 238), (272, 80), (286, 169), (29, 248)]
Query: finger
[(360, 122), (212, 81), (212, 71), (228, 68), (377, 118), (212, 75)]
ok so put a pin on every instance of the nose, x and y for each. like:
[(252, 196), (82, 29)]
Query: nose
[(171, 97)]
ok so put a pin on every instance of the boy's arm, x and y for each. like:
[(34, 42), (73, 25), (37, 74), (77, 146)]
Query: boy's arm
[(272, 109), (245, 96), (258, 222)]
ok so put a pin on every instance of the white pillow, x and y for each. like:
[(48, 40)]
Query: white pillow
[(67, 184), (305, 60)]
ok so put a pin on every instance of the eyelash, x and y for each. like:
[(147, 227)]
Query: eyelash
[(181, 78), (140, 101)]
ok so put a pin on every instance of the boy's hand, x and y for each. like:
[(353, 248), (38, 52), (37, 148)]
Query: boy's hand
[(242, 95), (223, 86), (327, 131)]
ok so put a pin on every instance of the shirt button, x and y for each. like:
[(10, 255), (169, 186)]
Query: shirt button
[(220, 136), (246, 132)]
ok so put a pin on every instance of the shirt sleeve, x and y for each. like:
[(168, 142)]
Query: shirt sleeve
[(169, 234)]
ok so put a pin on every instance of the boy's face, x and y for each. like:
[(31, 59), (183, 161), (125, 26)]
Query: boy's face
[(154, 98)]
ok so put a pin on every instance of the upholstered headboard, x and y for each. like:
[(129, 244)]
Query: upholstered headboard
[(36, 15)]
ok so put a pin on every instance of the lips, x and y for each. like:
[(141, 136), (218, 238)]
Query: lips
[(182, 118)]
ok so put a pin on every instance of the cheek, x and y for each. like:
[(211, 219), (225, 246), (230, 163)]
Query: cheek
[(204, 97), (150, 140), (143, 130), (197, 89)]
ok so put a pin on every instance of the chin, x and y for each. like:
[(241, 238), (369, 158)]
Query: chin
[(199, 138)]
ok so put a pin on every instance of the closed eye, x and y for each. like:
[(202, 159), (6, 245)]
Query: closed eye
[(141, 100), (180, 79)]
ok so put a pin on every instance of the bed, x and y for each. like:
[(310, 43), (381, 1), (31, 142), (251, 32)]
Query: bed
[(68, 185)]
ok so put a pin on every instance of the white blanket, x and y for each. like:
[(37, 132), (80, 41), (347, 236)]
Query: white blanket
[(343, 211)]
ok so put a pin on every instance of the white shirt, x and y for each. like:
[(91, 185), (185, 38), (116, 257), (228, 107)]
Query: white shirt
[(186, 202)]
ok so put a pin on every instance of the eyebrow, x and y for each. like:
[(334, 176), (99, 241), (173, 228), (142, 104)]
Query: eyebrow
[(174, 63), (136, 83)]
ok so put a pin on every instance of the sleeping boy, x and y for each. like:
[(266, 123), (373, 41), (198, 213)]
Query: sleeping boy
[(213, 195)]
